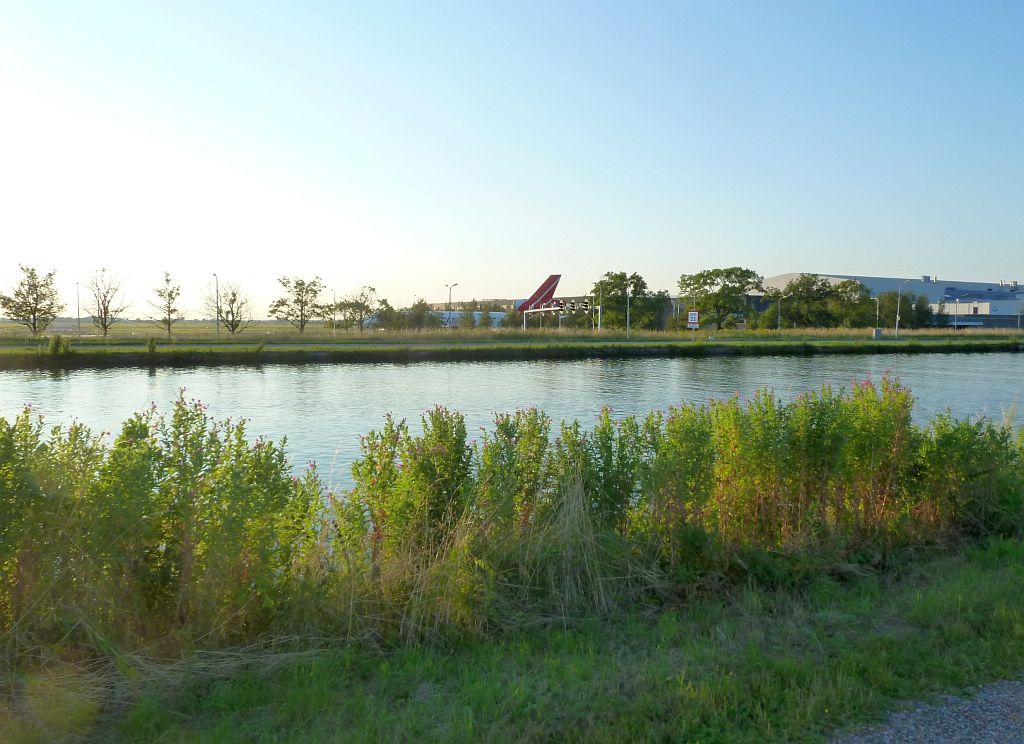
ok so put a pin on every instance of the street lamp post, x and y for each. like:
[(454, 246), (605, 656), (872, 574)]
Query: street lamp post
[(216, 309), (899, 296), (449, 312), (778, 322), (334, 313), (78, 308), (956, 312), (876, 311), (627, 311)]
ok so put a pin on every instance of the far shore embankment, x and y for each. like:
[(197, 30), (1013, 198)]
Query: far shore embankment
[(189, 351)]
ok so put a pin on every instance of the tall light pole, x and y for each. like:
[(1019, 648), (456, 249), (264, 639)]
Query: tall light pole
[(876, 311), (334, 313), (216, 291), (956, 312), (449, 313), (778, 322), (899, 296), (627, 309), (78, 308)]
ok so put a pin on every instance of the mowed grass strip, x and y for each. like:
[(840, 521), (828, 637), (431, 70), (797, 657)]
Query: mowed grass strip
[(751, 666)]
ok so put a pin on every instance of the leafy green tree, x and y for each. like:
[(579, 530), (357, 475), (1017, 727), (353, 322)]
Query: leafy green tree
[(812, 301), (486, 321), (720, 293), (921, 315), (388, 318), (358, 307), (940, 317), (418, 316), (299, 304), (512, 319), (807, 303), (646, 308), (915, 311), (34, 303), (166, 303)]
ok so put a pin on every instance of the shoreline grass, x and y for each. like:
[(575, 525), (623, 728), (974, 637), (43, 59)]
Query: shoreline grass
[(73, 354)]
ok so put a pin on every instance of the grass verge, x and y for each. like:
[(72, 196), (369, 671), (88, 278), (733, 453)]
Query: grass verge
[(77, 355), (748, 666)]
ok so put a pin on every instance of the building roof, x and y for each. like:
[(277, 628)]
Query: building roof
[(935, 289)]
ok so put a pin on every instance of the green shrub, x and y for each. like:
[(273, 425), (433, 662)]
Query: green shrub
[(183, 533)]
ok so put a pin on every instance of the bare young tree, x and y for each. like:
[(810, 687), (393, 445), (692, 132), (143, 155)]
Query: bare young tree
[(233, 308), (299, 305), (34, 303), (167, 295), (107, 300)]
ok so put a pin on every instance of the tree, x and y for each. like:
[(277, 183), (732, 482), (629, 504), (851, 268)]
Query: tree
[(299, 305), (720, 293), (486, 319), (645, 307), (167, 295), (850, 305), (358, 307), (233, 308), (389, 318), (915, 312), (922, 314), (806, 302), (418, 316), (34, 303), (107, 306)]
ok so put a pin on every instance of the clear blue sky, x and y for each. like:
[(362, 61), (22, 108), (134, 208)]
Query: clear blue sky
[(407, 146)]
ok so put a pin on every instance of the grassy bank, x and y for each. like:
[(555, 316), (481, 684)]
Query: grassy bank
[(75, 353), (751, 529), (748, 665)]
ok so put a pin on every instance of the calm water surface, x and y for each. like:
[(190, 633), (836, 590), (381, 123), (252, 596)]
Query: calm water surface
[(324, 408)]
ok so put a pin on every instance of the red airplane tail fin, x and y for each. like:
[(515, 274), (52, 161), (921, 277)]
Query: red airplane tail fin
[(545, 292)]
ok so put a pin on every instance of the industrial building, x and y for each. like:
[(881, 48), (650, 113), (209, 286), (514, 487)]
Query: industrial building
[(968, 304)]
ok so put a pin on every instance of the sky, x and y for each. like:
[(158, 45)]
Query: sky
[(407, 146)]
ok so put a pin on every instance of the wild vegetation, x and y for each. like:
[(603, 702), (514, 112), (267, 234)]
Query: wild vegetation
[(181, 535)]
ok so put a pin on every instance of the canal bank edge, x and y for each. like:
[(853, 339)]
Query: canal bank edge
[(193, 356)]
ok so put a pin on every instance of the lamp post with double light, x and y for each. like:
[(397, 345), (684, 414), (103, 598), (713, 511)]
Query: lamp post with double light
[(448, 319)]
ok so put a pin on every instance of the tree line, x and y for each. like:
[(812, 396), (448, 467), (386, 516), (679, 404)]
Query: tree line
[(725, 297)]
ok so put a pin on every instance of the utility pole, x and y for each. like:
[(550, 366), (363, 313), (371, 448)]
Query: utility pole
[(78, 308), (899, 296), (627, 309), (216, 291)]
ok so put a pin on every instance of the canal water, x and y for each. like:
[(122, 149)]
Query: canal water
[(323, 409)]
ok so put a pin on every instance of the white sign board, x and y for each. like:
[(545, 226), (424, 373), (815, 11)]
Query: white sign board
[(693, 319)]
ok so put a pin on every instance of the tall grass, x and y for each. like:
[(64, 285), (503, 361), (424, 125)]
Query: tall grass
[(181, 534)]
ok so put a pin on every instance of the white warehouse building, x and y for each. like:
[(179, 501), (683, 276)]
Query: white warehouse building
[(979, 304)]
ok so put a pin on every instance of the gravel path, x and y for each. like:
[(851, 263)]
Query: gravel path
[(995, 715)]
